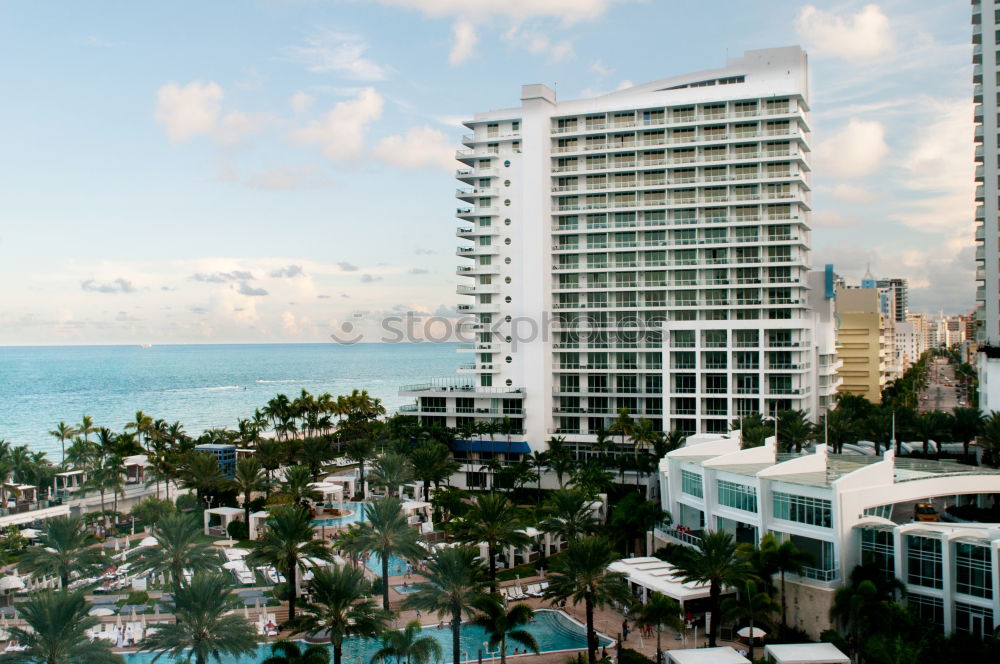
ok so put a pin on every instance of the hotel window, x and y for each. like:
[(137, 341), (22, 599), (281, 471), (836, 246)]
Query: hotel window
[(976, 620), (929, 609), (802, 509), (738, 496), (923, 561), (973, 575), (879, 546), (691, 484)]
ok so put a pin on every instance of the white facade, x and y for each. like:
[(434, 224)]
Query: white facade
[(648, 250), (822, 502), (985, 71)]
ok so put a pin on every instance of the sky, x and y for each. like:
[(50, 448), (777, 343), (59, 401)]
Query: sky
[(267, 170)]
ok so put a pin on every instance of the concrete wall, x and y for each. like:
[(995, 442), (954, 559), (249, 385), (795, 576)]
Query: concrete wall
[(808, 607)]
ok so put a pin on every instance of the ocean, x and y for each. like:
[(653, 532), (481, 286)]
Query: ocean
[(202, 386)]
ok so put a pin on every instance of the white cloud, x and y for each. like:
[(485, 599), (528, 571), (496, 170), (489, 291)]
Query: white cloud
[(341, 132), (186, 112), (539, 43), (343, 53), (301, 102), (852, 193), (833, 219), (237, 126), (464, 33), (856, 150), (598, 67), (859, 37), (566, 10), (286, 178), (420, 147)]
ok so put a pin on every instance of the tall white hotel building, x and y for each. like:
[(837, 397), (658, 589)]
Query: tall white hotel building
[(647, 249)]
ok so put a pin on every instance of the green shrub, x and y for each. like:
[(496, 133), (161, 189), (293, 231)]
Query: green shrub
[(187, 502), (629, 656), (137, 597), (238, 530), (152, 509)]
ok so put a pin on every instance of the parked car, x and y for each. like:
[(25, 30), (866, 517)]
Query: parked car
[(925, 512)]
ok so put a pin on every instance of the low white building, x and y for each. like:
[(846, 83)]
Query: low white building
[(827, 504)]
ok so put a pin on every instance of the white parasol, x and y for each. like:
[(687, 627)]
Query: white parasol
[(11, 583), (101, 611), (757, 633)]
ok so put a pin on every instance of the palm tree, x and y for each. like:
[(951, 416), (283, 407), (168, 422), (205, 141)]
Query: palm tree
[(501, 624), (929, 426), (539, 460), (248, 478), (64, 548), (270, 455), (200, 471), (560, 460), (387, 533), (360, 450), (858, 607), (390, 471), (786, 557), (62, 433), (455, 579), (569, 514), (753, 429), (286, 543), (179, 547), (432, 462), (407, 647), (204, 624), (633, 517), (290, 652), (989, 439), (314, 453), (715, 562), (297, 487), (967, 424), (581, 575), (750, 604), (56, 631), (338, 606), (794, 430), (659, 612), (496, 521)]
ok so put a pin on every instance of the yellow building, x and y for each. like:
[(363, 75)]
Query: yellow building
[(862, 344)]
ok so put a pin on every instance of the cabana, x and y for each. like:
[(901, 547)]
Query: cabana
[(805, 653), (21, 494), (332, 493), (417, 512), (521, 555), (223, 516), (257, 521), (348, 482), (135, 468), (69, 482), (648, 575), (720, 655)]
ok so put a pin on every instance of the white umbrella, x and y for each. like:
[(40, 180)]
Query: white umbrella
[(156, 612), (757, 633), (132, 617), (118, 621), (246, 612), (101, 611), (11, 583), (148, 541), (232, 564)]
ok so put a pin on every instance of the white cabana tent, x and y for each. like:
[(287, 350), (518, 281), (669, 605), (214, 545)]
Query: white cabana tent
[(333, 492), (348, 482), (257, 521), (417, 511), (648, 575), (720, 655), (226, 515), (805, 653)]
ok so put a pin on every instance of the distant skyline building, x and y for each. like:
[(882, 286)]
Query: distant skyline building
[(659, 237), (985, 90)]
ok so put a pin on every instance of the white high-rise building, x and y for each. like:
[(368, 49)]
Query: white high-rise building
[(646, 250), (985, 77)]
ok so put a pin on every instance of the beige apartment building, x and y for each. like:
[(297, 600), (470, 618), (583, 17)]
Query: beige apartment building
[(863, 345)]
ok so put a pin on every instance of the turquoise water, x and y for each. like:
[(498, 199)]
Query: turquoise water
[(397, 566), (405, 590), (357, 515), (202, 386), (553, 631)]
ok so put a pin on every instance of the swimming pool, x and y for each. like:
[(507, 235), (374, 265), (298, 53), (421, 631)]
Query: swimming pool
[(553, 630), (357, 515), (405, 590), (397, 566)]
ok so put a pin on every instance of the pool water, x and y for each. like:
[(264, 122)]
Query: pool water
[(553, 630), (397, 566), (405, 590), (357, 515)]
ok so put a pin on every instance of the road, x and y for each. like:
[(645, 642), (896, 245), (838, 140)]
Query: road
[(941, 392)]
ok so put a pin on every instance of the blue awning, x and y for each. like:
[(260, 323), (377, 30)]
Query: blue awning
[(515, 446)]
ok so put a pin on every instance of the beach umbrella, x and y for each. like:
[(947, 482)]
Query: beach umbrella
[(117, 546), (156, 612), (246, 612), (132, 616), (757, 633), (118, 620)]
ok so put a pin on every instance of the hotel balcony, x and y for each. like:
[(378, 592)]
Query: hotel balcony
[(977, 73), (460, 386), (471, 193), (977, 93), (472, 155), (980, 233), (483, 250), (468, 213), (481, 289), (478, 368), (978, 134), (471, 271), (478, 308), (470, 175), (478, 348)]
